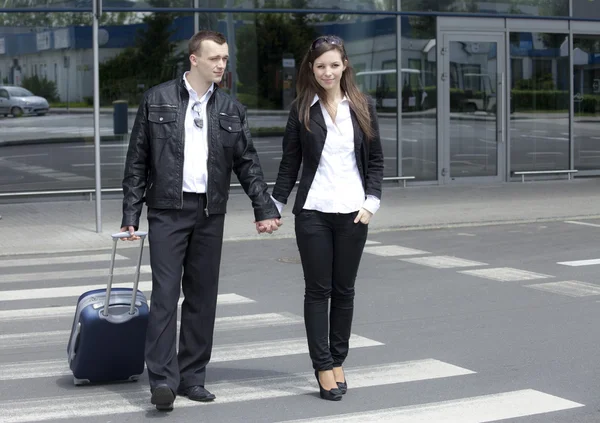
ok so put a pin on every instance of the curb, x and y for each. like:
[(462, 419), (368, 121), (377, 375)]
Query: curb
[(275, 237), (108, 138)]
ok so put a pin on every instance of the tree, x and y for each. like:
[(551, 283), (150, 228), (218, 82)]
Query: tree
[(138, 68), (261, 48)]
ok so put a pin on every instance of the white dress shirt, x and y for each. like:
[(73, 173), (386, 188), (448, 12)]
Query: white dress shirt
[(195, 156), (337, 186)]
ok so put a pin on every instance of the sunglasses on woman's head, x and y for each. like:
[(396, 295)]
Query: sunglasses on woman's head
[(329, 40)]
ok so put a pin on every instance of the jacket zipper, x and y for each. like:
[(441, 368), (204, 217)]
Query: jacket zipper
[(182, 131), (208, 150)]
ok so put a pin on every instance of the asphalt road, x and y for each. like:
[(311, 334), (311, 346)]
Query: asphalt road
[(455, 325), (535, 144)]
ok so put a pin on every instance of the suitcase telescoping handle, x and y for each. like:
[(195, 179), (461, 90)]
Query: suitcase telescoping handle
[(116, 238)]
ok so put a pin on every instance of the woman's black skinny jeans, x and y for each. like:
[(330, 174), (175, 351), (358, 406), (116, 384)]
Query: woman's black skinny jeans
[(331, 246)]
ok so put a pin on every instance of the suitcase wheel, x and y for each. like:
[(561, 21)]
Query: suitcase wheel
[(79, 382)]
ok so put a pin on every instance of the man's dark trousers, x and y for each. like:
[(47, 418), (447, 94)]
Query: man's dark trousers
[(190, 242)]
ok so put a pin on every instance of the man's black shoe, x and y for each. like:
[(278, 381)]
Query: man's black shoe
[(197, 393), (163, 397)]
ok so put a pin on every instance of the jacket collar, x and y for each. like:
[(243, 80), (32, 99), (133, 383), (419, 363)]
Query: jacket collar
[(190, 90), (316, 113)]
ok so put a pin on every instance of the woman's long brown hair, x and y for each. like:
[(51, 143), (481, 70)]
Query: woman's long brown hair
[(307, 86)]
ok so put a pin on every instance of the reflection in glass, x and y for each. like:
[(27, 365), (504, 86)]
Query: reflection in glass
[(539, 127), (418, 94), (473, 120), (47, 140), (516, 7), (586, 82)]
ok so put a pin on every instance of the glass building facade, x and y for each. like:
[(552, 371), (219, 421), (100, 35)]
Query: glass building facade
[(466, 91)]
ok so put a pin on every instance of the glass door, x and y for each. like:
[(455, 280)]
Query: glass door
[(472, 99)]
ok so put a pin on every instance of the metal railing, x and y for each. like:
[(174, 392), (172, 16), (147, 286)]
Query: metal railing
[(92, 191)]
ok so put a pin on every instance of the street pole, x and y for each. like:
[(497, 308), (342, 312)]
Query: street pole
[(399, 89), (232, 46), (196, 16), (95, 47)]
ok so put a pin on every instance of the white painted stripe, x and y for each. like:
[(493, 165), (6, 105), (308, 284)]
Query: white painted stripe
[(68, 311), (64, 291), (67, 291), (443, 262), (505, 274), (372, 242), (104, 403), (20, 156), (485, 408), (58, 260), (221, 353), (222, 324), (577, 263), (570, 288), (70, 274), (392, 250), (94, 164), (574, 222)]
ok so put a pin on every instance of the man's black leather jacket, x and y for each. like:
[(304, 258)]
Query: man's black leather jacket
[(154, 164)]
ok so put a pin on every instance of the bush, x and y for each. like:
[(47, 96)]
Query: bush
[(589, 104), (540, 100), (41, 87)]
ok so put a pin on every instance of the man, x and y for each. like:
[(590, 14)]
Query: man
[(187, 137)]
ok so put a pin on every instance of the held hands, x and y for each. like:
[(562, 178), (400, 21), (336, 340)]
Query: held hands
[(268, 225), (363, 216), (131, 230)]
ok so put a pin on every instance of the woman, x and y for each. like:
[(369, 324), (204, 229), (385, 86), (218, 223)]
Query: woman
[(332, 130)]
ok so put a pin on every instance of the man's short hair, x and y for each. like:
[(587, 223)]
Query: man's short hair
[(205, 34)]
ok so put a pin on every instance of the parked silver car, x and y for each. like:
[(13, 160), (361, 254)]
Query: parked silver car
[(18, 101)]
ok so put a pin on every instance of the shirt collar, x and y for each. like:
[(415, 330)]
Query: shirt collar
[(192, 92), (316, 98)]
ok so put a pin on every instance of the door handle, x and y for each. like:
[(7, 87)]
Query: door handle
[(501, 108)]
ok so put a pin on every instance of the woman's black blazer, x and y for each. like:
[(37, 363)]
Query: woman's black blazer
[(303, 147)]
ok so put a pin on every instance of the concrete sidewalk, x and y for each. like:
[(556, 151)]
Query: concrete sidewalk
[(62, 226)]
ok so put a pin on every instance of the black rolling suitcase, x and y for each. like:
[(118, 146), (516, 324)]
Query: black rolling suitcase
[(107, 339)]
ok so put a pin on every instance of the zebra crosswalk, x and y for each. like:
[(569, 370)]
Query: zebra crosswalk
[(263, 338)]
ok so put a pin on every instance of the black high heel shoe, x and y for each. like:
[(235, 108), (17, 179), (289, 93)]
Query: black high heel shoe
[(343, 386), (331, 395)]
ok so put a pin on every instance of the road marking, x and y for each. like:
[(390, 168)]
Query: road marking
[(574, 222), (222, 324), (372, 242), (577, 263), (21, 156), (121, 146), (104, 403), (64, 291), (101, 163), (58, 260), (545, 137), (220, 354), (70, 274), (443, 262), (484, 408), (392, 251), (68, 311), (569, 288), (505, 274)]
